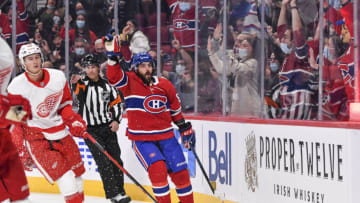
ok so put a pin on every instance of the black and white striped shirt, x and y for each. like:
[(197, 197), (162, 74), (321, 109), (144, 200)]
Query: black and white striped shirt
[(99, 102)]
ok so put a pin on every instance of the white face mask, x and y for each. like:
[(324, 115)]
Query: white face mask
[(284, 47), (80, 51), (180, 69), (184, 6), (274, 67), (80, 23), (327, 53), (242, 53)]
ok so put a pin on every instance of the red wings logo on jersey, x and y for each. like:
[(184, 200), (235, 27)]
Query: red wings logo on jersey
[(155, 104), (3, 74), (45, 107)]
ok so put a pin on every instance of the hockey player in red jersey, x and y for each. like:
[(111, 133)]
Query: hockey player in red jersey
[(52, 149), (13, 110), (152, 104)]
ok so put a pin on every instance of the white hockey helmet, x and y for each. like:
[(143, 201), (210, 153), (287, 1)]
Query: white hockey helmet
[(29, 49)]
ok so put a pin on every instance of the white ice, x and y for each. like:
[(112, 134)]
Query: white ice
[(57, 198)]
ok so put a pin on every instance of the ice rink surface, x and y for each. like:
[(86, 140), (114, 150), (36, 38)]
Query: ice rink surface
[(57, 198)]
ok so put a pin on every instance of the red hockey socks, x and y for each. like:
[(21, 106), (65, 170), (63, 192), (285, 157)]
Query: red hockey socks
[(158, 177), (75, 198), (182, 182)]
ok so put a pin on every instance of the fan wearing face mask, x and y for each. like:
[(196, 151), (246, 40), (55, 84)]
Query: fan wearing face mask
[(243, 68), (183, 21), (81, 30), (343, 22), (296, 74)]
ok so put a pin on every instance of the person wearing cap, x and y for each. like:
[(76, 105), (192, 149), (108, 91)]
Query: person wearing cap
[(100, 105)]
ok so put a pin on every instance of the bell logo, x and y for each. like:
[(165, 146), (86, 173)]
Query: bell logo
[(220, 160)]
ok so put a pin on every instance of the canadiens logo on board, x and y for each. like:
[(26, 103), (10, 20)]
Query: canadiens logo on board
[(251, 177), (155, 104), (181, 24), (45, 107)]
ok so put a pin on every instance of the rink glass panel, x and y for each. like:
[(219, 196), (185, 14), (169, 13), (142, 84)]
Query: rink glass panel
[(313, 90)]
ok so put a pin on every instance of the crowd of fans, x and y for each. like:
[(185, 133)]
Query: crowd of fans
[(292, 56)]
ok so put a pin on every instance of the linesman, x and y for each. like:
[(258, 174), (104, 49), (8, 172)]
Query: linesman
[(100, 105)]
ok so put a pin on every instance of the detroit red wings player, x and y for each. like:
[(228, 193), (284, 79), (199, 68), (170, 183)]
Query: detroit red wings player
[(51, 147), (13, 183)]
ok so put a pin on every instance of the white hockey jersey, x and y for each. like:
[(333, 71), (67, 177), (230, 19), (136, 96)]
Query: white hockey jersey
[(46, 98)]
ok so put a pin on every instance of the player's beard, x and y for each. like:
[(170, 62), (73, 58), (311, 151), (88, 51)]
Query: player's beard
[(146, 77)]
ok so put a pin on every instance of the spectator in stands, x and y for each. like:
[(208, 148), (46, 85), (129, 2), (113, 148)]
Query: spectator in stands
[(22, 21), (80, 31), (135, 37), (209, 96), (243, 73), (184, 84), (272, 84), (180, 55), (297, 92), (95, 16), (80, 50), (100, 51), (183, 21), (46, 15), (343, 23), (57, 55)]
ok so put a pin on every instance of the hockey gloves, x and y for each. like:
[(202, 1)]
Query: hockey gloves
[(187, 135), (14, 108), (112, 44), (77, 126)]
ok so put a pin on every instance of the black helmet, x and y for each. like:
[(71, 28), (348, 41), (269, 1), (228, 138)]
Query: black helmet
[(90, 59)]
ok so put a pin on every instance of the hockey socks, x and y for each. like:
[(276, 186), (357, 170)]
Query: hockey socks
[(182, 182), (158, 177), (75, 198)]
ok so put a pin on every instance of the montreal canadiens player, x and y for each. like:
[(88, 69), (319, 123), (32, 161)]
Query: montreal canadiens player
[(14, 109), (52, 149), (152, 104)]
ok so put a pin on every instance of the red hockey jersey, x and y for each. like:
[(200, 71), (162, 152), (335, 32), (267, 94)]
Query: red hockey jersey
[(150, 109), (183, 24)]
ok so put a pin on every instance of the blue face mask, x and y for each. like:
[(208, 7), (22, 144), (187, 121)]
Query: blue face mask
[(80, 51), (184, 6), (80, 23), (284, 47), (274, 67), (50, 7)]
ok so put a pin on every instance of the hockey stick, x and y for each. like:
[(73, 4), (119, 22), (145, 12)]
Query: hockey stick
[(203, 170), (88, 136)]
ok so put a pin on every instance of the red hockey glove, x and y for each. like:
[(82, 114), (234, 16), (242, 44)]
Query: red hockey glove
[(14, 108), (187, 135), (17, 136), (77, 126)]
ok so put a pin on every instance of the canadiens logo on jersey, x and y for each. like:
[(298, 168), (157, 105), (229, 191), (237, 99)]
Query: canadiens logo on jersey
[(155, 104), (45, 107), (181, 24), (348, 72)]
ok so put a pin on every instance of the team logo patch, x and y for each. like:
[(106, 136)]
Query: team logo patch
[(155, 104), (181, 24), (45, 107)]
